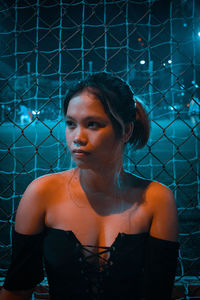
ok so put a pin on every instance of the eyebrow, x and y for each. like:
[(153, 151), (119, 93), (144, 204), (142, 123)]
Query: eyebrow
[(88, 118)]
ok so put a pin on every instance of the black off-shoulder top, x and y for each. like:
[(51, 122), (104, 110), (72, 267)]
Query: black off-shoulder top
[(140, 267)]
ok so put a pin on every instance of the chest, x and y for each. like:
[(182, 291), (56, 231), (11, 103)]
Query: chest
[(62, 249), (94, 229)]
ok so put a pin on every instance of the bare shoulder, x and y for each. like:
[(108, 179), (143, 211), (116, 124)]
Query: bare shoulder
[(157, 189), (46, 184), (156, 195), (160, 204), (163, 206), (154, 191), (159, 196), (30, 216)]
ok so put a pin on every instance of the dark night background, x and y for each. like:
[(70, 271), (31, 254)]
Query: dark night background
[(153, 45)]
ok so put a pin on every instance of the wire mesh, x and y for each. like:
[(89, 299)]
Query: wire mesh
[(154, 46)]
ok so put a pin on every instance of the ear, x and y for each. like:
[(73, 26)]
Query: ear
[(128, 132)]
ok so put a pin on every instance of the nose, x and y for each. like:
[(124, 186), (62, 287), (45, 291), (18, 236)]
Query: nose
[(80, 138)]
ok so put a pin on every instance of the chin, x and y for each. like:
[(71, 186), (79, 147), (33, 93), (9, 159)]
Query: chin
[(93, 165), (82, 165), (86, 166)]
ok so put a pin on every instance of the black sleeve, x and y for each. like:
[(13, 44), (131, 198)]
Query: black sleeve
[(160, 268), (26, 268)]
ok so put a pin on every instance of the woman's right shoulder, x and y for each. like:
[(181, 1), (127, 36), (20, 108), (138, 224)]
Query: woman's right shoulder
[(31, 211), (46, 184)]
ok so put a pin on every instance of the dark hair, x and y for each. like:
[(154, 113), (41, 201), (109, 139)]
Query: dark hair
[(118, 101)]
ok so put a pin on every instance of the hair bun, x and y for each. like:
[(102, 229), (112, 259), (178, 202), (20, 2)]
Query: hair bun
[(141, 129)]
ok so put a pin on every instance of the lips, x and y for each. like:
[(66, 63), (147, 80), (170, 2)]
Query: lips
[(78, 153)]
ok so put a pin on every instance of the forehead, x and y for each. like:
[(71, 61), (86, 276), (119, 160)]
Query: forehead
[(85, 102)]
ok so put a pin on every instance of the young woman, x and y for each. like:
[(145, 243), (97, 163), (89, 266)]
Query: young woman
[(102, 232)]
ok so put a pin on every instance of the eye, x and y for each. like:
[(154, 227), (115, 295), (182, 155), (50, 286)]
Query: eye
[(93, 125), (70, 124)]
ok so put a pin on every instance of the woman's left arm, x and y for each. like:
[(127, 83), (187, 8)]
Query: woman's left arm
[(165, 221), (162, 247)]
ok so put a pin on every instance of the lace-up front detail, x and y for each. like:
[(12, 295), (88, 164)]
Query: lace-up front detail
[(95, 267), (98, 271), (98, 255)]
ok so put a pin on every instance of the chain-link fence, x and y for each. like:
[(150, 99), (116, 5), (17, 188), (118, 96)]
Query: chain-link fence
[(154, 45)]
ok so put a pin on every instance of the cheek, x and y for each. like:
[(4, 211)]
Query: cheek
[(68, 137), (106, 141)]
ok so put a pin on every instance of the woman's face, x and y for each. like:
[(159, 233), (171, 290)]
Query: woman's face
[(90, 135)]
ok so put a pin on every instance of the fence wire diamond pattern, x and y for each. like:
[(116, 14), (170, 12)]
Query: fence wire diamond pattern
[(154, 46)]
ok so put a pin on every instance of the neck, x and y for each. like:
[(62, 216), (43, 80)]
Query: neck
[(104, 181)]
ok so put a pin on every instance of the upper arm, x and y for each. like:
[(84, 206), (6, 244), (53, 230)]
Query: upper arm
[(15, 295), (31, 210), (165, 221)]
